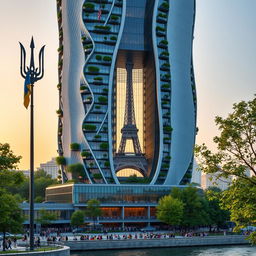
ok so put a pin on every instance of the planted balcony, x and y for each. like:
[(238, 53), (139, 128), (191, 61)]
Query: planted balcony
[(161, 18), (166, 78), (105, 91), (84, 88), (60, 160), (97, 177), (167, 129), (104, 146), (111, 40), (164, 55), (101, 29), (77, 171), (59, 112), (88, 48), (163, 44), (88, 7), (165, 87), (97, 80), (75, 146), (102, 100), (164, 7), (89, 127), (59, 86), (165, 67), (85, 154), (114, 19), (167, 140), (107, 164), (88, 100), (97, 137), (92, 70), (160, 31)]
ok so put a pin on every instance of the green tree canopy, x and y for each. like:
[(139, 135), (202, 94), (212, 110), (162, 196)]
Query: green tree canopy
[(11, 218), (235, 157), (46, 217), (195, 207), (77, 218), (170, 210), (93, 210), (236, 144)]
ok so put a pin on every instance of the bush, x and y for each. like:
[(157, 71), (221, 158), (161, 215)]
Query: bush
[(75, 146), (88, 6), (165, 53), (98, 57), (114, 38), (167, 128), (114, 17), (158, 28), (107, 164), (82, 87), (89, 127), (97, 107), (107, 58), (85, 154), (59, 112), (98, 78), (165, 42), (93, 69), (77, 170), (104, 145), (107, 28), (88, 46), (60, 160), (102, 99), (97, 176), (97, 136), (165, 86), (165, 5)]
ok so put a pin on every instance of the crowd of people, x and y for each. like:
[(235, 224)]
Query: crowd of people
[(9, 243)]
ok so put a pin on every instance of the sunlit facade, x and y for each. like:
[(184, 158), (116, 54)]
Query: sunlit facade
[(127, 98)]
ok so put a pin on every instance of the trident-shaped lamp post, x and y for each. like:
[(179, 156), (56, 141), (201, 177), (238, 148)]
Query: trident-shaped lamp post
[(35, 74)]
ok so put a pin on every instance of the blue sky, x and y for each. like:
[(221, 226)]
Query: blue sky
[(224, 62)]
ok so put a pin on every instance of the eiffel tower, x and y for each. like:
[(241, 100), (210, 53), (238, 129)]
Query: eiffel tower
[(136, 159)]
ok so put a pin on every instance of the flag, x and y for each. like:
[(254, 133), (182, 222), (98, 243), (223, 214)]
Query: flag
[(27, 90), (99, 13)]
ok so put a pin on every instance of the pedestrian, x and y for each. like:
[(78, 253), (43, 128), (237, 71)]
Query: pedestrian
[(15, 242), (9, 244)]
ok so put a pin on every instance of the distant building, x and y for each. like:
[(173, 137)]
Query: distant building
[(25, 172), (196, 174), (210, 180), (50, 168)]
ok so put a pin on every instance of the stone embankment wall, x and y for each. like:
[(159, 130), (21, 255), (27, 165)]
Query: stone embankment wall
[(151, 243), (65, 251)]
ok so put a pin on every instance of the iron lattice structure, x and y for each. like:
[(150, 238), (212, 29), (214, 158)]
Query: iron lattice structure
[(129, 130)]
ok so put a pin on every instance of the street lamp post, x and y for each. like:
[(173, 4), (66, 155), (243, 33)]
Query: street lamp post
[(35, 74)]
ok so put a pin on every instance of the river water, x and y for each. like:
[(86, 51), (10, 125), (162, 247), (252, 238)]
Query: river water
[(187, 251)]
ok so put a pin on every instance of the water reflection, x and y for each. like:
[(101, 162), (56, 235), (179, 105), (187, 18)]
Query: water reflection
[(195, 251)]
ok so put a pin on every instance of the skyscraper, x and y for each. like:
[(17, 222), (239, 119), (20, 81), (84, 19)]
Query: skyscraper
[(127, 99)]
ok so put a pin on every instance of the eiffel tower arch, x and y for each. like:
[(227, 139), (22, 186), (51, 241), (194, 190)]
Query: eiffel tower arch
[(136, 159)]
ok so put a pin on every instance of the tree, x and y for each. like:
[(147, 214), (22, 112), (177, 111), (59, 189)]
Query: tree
[(41, 180), (77, 218), (93, 210), (46, 217), (7, 159), (218, 216), (235, 156), (10, 215), (195, 207), (170, 210)]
